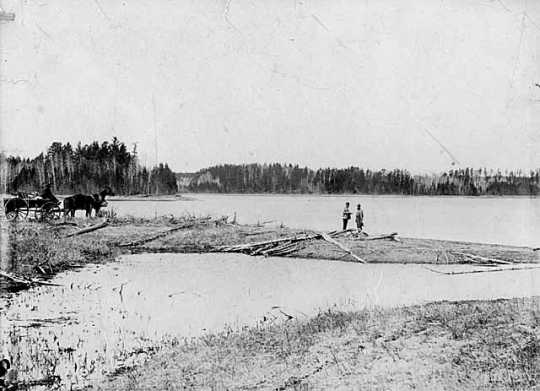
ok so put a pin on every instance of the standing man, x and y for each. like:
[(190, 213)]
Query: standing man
[(359, 218), (346, 216)]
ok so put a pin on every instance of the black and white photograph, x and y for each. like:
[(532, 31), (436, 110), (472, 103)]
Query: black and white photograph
[(269, 195)]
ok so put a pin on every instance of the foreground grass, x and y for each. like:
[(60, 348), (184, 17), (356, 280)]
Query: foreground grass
[(491, 345), (37, 249)]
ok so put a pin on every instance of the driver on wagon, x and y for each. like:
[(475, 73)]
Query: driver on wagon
[(47, 194)]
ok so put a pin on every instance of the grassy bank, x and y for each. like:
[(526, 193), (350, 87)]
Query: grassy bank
[(37, 249), (205, 238), (42, 249), (474, 345)]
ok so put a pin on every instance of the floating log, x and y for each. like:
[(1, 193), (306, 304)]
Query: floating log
[(103, 224), (482, 271), (24, 281), (336, 243)]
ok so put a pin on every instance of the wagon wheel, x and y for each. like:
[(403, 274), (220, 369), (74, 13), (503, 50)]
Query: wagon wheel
[(48, 211), (57, 213), (16, 208)]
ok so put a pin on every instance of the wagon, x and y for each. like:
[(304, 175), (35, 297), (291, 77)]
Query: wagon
[(25, 206)]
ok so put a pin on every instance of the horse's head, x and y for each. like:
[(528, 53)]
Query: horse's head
[(107, 191), (98, 202)]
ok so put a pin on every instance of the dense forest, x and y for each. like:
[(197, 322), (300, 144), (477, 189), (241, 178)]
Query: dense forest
[(86, 169), (286, 178)]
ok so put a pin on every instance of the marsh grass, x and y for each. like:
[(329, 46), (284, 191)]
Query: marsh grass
[(475, 345)]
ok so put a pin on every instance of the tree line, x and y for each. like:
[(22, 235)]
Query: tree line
[(288, 178), (87, 169)]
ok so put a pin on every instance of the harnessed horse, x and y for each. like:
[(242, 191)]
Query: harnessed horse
[(86, 202)]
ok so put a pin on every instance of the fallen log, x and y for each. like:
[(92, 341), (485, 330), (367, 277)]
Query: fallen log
[(337, 233), (297, 247), (48, 381), (336, 243), (161, 234), (103, 224), (484, 259), (284, 249), (391, 236), (24, 281), (248, 246), (261, 249), (63, 224)]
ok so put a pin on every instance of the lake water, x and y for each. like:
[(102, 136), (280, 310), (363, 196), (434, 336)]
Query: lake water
[(502, 220), (89, 325)]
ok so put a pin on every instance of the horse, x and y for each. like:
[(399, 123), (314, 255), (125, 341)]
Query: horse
[(86, 202)]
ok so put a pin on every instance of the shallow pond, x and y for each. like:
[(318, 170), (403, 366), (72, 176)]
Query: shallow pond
[(501, 220), (101, 314)]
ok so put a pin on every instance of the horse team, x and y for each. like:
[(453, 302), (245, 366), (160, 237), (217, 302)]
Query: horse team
[(86, 202), (79, 201)]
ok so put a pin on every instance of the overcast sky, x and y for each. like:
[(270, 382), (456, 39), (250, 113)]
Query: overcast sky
[(319, 83)]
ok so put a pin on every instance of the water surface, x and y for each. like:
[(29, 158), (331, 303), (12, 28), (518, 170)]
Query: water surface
[(90, 325), (501, 220)]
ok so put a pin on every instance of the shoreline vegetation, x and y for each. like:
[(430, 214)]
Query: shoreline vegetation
[(456, 346), (88, 168), (277, 178)]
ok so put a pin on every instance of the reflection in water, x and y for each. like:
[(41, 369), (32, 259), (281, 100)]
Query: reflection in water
[(102, 314)]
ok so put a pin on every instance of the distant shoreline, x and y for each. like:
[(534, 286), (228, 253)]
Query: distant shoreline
[(364, 195), (160, 198)]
